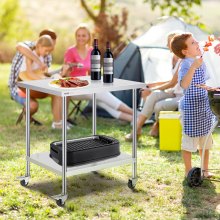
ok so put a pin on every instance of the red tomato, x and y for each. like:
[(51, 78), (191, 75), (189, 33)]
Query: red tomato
[(208, 44)]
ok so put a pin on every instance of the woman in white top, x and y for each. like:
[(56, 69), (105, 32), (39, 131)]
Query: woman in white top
[(164, 97)]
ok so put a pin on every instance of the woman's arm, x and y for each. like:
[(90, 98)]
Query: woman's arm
[(65, 70), (166, 85)]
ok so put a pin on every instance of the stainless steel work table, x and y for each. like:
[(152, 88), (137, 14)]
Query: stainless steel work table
[(44, 160)]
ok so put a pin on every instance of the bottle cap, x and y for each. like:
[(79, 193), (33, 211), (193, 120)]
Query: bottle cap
[(95, 42), (107, 44)]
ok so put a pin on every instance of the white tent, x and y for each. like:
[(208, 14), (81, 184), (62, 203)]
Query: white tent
[(156, 58)]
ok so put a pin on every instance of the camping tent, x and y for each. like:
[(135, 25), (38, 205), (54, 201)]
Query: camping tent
[(127, 66), (147, 58), (156, 58)]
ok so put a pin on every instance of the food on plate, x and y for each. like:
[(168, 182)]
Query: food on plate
[(211, 38), (70, 82), (208, 43)]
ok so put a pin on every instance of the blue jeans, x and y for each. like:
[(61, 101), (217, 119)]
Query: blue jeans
[(19, 99)]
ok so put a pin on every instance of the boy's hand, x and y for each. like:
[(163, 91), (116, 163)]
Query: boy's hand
[(197, 63)]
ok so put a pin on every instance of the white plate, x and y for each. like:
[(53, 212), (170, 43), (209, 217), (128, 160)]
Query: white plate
[(58, 86)]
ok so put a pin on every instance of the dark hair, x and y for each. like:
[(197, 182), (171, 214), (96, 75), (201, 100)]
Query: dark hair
[(178, 43), (49, 32)]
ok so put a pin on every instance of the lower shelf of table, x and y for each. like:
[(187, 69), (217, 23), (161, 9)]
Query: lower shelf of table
[(44, 160)]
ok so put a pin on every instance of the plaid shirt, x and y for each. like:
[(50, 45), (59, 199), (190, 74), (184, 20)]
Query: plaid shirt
[(16, 65), (198, 117)]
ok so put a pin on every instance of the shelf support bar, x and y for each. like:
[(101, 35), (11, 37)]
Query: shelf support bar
[(94, 114), (27, 132), (64, 147), (134, 143)]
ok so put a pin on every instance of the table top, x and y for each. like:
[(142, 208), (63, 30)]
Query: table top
[(93, 87)]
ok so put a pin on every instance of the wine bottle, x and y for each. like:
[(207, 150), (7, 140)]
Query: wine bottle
[(95, 62), (108, 69)]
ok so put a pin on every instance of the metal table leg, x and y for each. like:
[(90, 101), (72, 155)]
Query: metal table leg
[(94, 114), (61, 198), (94, 118), (204, 147), (25, 179), (133, 180)]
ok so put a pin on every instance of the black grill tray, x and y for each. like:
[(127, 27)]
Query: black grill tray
[(84, 150)]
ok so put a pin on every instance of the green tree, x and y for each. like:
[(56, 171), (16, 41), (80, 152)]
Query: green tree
[(179, 8), (13, 28), (13, 25), (108, 26)]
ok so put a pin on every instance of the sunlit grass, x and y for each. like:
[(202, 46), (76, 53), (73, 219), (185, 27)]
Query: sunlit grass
[(161, 191)]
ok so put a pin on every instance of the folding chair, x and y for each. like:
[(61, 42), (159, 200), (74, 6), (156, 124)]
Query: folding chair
[(20, 117), (32, 120), (76, 110)]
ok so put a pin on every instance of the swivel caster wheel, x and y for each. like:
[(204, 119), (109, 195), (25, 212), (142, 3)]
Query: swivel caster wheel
[(23, 183), (194, 177), (60, 203), (60, 199), (131, 184)]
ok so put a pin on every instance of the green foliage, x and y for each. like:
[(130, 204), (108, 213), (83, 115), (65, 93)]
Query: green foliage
[(95, 5), (14, 27), (179, 8), (12, 22), (108, 26)]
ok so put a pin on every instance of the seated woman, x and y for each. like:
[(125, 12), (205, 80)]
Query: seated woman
[(81, 54), (28, 68), (164, 97)]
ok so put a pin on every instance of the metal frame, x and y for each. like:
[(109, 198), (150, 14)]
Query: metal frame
[(205, 144), (36, 158)]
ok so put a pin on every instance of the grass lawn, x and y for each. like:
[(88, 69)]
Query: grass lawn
[(160, 193)]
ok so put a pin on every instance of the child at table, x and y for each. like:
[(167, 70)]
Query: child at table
[(44, 46), (194, 105)]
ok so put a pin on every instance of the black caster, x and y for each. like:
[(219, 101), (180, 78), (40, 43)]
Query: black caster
[(60, 202), (131, 185), (23, 183), (194, 177)]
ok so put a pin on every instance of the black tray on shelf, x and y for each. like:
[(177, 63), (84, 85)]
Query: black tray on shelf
[(84, 150)]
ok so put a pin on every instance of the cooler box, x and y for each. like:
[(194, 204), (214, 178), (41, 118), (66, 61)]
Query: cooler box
[(170, 130)]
